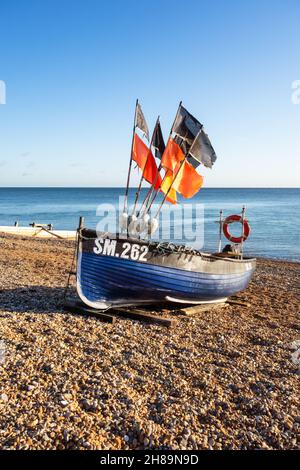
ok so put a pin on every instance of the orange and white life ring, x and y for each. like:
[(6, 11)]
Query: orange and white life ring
[(246, 228)]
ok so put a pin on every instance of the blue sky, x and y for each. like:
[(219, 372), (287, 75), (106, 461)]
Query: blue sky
[(73, 70)]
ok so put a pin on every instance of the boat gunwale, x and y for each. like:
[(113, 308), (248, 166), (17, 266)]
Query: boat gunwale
[(194, 252)]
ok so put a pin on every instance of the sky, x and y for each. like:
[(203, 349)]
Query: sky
[(74, 68)]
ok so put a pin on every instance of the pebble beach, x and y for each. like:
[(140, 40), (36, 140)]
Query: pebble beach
[(222, 379)]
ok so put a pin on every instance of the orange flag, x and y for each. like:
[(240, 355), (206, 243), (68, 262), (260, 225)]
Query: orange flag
[(142, 155), (188, 181), (169, 161), (165, 185), (172, 155)]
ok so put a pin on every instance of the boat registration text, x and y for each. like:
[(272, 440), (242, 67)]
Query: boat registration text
[(126, 250)]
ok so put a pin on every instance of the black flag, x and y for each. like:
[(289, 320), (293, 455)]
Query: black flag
[(141, 121), (202, 151), (192, 161), (158, 141), (186, 126)]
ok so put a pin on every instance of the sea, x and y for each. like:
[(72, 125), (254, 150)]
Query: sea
[(273, 214)]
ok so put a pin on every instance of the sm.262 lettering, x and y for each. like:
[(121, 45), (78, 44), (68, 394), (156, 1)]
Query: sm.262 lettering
[(133, 251)]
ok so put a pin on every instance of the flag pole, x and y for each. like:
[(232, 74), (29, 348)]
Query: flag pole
[(149, 194), (148, 206), (142, 177), (152, 189), (178, 171), (167, 193), (157, 191), (130, 161)]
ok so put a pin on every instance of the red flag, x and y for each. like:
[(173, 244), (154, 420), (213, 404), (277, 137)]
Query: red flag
[(142, 155), (150, 171), (140, 151)]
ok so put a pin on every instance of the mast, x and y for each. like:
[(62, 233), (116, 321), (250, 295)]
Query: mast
[(177, 173), (152, 189), (130, 161), (142, 177)]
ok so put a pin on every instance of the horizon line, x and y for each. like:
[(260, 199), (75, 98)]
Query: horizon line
[(136, 187)]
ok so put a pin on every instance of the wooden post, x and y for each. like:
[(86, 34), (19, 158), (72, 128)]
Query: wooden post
[(220, 231), (243, 218), (81, 223), (138, 314), (78, 307)]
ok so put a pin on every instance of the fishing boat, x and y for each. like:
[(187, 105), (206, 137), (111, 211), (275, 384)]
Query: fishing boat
[(115, 270), (129, 267)]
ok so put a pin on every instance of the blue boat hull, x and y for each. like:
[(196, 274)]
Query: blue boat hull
[(104, 281)]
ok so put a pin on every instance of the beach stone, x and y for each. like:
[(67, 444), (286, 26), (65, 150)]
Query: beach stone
[(33, 424), (211, 442), (288, 423), (4, 398), (46, 368)]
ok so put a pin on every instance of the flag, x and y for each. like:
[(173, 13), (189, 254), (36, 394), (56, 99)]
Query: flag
[(150, 171), (140, 121), (193, 141), (159, 147), (188, 181), (185, 181), (192, 161), (172, 155), (142, 155), (165, 186), (158, 141), (140, 151), (186, 126), (202, 151), (182, 144)]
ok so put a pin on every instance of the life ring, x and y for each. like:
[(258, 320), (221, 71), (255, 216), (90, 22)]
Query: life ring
[(246, 228)]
